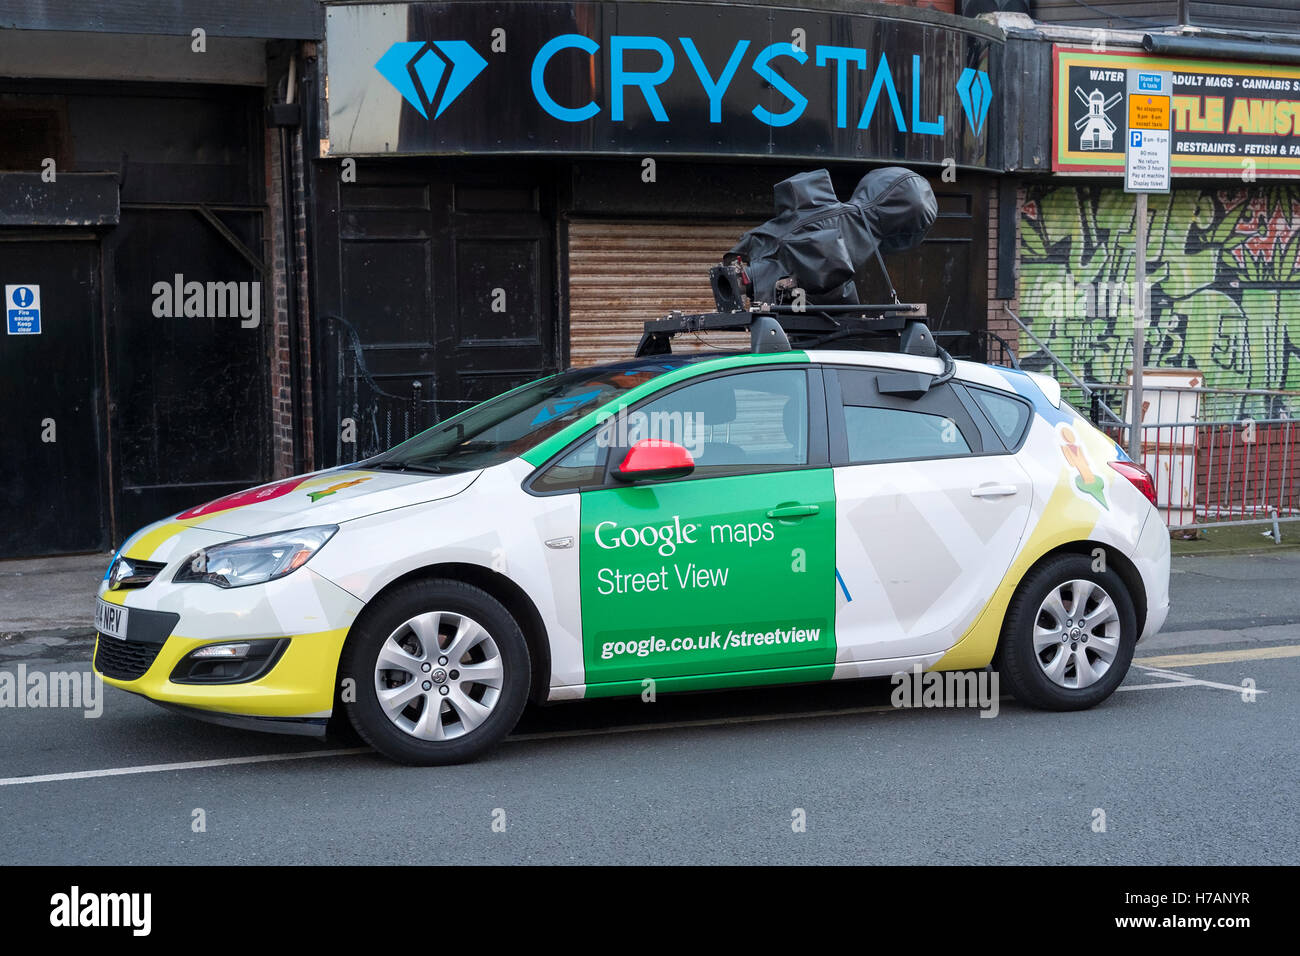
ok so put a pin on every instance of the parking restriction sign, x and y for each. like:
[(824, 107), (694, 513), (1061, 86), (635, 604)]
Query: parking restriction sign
[(1146, 143)]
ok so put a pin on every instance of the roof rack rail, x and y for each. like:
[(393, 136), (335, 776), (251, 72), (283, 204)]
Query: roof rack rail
[(772, 328)]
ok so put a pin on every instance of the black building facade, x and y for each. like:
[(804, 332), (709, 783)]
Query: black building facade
[(507, 189), (142, 215)]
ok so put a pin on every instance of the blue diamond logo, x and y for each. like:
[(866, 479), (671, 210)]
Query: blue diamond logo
[(976, 93), (416, 69)]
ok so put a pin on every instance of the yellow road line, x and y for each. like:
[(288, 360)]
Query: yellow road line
[(1220, 657)]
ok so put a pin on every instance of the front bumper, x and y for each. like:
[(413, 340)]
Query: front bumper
[(303, 726), (308, 611)]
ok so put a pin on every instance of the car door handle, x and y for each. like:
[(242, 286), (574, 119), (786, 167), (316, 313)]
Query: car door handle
[(993, 491), (793, 511)]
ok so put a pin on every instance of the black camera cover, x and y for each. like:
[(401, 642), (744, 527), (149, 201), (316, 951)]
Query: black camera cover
[(820, 242)]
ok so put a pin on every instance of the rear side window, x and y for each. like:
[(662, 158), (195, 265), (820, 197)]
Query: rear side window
[(1007, 414), (887, 425), (888, 434)]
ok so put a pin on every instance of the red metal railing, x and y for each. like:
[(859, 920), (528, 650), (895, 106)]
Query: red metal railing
[(1215, 463)]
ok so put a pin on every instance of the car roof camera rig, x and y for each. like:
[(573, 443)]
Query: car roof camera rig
[(789, 282)]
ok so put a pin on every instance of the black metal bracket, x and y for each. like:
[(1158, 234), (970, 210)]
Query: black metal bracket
[(284, 115), (773, 328)]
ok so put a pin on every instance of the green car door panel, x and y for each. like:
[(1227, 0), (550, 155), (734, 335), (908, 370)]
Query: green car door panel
[(709, 582)]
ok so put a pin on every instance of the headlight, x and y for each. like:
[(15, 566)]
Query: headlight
[(254, 560)]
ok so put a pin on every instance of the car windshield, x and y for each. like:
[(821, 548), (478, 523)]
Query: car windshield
[(509, 425)]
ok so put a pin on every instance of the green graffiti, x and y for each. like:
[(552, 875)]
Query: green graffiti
[(1223, 274)]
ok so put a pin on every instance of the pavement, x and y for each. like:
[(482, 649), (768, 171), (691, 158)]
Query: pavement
[(47, 608), (1193, 761), (1236, 599), (50, 594)]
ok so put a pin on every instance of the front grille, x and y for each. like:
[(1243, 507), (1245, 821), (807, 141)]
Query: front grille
[(140, 573), (124, 660)]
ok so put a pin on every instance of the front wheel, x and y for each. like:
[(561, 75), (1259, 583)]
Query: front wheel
[(1069, 635), (441, 673)]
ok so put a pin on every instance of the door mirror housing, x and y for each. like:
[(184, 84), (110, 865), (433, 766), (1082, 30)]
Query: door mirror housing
[(654, 459)]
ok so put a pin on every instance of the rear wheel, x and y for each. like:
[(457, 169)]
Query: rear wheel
[(441, 673), (1069, 635)]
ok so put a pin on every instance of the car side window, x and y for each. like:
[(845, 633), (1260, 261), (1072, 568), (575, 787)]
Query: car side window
[(750, 421), (888, 434), (883, 426), (1007, 414), (582, 467)]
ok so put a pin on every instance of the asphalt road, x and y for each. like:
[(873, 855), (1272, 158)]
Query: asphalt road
[(1235, 591), (1185, 770)]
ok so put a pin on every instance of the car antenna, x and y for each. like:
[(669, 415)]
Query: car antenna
[(943, 315), (893, 293)]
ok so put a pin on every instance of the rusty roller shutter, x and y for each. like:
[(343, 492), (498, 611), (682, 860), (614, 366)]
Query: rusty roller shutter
[(1224, 271), (623, 273)]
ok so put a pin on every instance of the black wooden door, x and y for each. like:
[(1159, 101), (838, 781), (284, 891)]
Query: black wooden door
[(189, 391), (500, 329), (52, 443), (185, 415), (445, 278)]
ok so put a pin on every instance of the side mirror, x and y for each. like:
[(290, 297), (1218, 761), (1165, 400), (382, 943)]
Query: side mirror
[(653, 459)]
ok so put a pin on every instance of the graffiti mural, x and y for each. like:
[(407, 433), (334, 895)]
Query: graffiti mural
[(1223, 272)]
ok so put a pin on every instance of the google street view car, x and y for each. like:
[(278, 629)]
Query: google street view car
[(800, 511)]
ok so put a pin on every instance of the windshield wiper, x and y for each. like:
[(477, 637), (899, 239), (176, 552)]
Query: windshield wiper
[(394, 465)]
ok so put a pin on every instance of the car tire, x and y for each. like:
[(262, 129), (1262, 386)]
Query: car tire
[(454, 674), (1050, 658)]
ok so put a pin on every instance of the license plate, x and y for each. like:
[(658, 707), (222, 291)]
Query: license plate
[(110, 620)]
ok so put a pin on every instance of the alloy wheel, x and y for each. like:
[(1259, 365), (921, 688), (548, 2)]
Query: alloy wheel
[(439, 675), (1076, 633)]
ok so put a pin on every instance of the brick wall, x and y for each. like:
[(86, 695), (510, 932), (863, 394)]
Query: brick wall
[(998, 321), (281, 396), (304, 302), (280, 378)]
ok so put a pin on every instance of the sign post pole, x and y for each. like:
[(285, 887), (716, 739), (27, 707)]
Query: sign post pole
[(1146, 170), (1139, 330)]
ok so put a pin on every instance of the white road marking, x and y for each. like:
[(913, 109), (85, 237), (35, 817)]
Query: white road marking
[(1191, 681), (557, 734), (1174, 679), (187, 765)]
